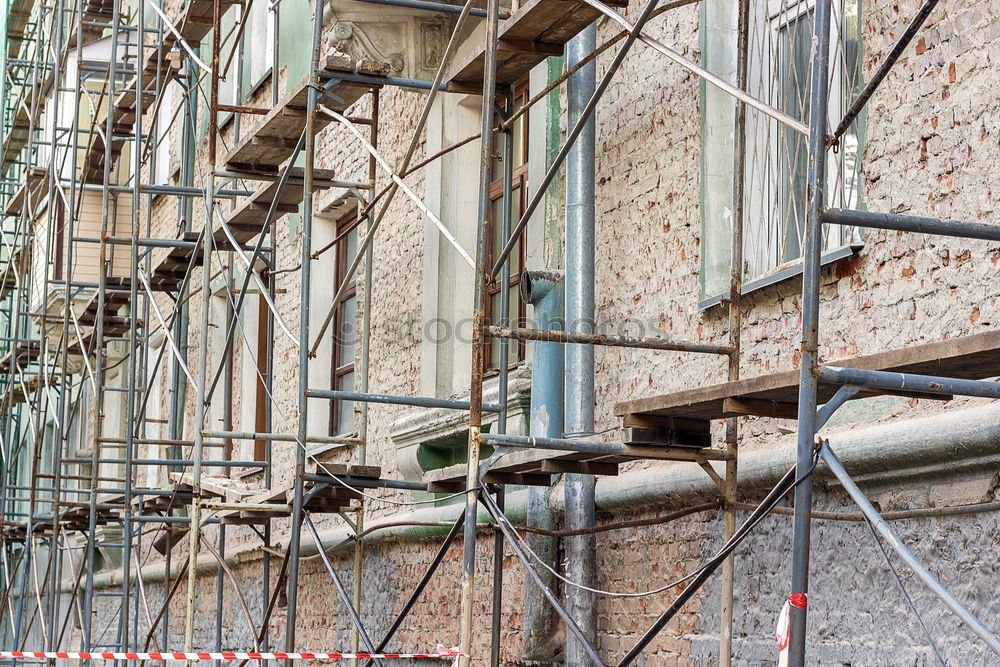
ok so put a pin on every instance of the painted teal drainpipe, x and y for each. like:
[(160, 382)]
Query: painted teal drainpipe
[(544, 291)]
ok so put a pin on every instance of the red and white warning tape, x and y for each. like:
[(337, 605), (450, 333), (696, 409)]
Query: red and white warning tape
[(441, 654), (782, 632)]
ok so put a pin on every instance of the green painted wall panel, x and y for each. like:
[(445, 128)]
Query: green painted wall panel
[(294, 39)]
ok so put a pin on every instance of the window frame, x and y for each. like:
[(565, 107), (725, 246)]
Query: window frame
[(338, 365), (161, 171), (769, 216), (519, 188), (255, 80), (769, 220)]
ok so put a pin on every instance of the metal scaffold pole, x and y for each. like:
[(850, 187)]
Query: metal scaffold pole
[(809, 346), (480, 343), (98, 341), (305, 274), (730, 487), (207, 247)]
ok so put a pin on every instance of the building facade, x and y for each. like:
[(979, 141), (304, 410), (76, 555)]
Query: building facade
[(240, 253)]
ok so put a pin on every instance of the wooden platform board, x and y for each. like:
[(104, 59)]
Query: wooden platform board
[(539, 29), (8, 281), (272, 142), (247, 220), (23, 353), (156, 71), (32, 185), (19, 130), (535, 467), (77, 517), (195, 21), (972, 357), (113, 302), (114, 325), (319, 497), (18, 15), (245, 224)]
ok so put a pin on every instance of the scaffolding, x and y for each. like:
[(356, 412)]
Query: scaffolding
[(77, 499)]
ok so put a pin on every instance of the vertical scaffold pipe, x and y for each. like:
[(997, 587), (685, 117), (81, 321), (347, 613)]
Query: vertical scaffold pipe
[(506, 212), (194, 543), (294, 540), (730, 487), (99, 349), (480, 344), (818, 102), (131, 421)]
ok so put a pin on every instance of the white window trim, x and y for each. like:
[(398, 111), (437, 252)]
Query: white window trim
[(161, 150)]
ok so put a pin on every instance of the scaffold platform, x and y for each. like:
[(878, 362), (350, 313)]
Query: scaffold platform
[(537, 30), (974, 357), (268, 145)]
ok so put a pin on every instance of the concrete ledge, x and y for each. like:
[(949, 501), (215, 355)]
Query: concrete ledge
[(964, 440)]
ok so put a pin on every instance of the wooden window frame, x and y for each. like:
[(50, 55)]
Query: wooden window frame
[(260, 397), (339, 366), (519, 189)]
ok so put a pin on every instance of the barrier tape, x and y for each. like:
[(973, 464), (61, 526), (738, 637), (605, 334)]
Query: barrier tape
[(442, 654), (782, 632)]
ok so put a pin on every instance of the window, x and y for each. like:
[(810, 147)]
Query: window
[(344, 326), (152, 419), (497, 240), (228, 88), (251, 340), (778, 73), (161, 147), (258, 47)]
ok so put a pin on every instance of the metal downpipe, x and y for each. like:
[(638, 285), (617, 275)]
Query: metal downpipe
[(581, 561), (543, 290)]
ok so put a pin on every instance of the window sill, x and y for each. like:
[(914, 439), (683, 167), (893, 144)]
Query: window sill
[(260, 83), (243, 474), (786, 273), (318, 451), (225, 120)]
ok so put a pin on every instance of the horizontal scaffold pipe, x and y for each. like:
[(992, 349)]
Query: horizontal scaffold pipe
[(365, 482), (172, 462), (908, 382), (153, 243), (401, 82), (175, 190), (416, 401), (158, 441), (281, 437), (295, 180), (912, 223), (609, 340), (443, 7), (168, 519)]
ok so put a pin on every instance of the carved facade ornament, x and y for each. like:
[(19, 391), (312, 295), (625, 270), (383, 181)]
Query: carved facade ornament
[(433, 38), (409, 43), (351, 38)]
